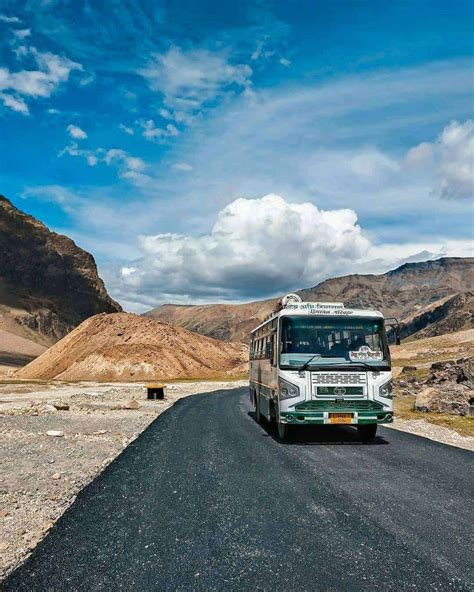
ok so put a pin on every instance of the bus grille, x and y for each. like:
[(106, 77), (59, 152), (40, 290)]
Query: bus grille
[(338, 405), (346, 378)]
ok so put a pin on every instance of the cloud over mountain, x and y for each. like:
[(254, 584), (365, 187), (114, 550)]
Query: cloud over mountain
[(254, 244), (260, 246)]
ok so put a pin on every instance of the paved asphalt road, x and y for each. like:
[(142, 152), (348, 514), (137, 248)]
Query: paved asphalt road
[(206, 499)]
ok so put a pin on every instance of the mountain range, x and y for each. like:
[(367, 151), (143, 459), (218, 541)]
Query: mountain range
[(49, 286), (429, 298)]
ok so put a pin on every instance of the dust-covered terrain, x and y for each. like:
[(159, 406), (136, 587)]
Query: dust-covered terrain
[(55, 437)]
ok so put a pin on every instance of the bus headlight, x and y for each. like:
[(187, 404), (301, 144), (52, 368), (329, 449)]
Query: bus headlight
[(386, 390), (288, 390)]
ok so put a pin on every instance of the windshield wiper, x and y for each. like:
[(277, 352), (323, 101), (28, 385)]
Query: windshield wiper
[(363, 364), (374, 369), (308, 362)]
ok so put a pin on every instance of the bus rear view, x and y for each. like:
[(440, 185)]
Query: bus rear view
[(321, 364)]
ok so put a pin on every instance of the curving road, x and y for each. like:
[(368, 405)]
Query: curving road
[(206, 499)]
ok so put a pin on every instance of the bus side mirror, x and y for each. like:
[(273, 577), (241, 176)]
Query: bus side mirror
[(395, 328)]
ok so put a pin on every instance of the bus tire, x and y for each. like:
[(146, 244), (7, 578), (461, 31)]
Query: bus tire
[(258, 414), (284, 431), (272, 412), (367, 432)]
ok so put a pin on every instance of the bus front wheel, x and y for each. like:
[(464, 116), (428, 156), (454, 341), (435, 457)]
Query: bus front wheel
[(284, 431), (367, 432)]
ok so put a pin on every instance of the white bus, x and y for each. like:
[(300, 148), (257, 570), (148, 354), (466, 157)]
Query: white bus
[(315, 363)]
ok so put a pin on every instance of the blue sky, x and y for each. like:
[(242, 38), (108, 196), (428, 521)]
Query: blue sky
[(209, 151)]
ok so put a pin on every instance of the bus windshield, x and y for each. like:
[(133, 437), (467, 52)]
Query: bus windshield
[(333, 341)]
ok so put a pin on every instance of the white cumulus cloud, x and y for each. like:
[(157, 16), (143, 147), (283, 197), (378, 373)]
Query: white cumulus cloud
[(15, 103), (259, 248), (117, 155), (131, 168), (43, 82), (76, 132), (153, 133), (256, 247)]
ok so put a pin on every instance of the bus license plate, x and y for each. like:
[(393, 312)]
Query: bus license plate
[(340, 418)]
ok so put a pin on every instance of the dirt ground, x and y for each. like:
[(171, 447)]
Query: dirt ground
[(89, 425)]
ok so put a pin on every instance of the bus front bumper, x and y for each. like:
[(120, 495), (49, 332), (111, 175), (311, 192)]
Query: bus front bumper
[(337, 412)]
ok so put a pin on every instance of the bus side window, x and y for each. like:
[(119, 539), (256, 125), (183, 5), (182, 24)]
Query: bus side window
[(274, 350)]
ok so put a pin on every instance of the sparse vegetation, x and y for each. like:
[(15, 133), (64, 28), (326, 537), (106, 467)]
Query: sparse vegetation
[(462, 425), (421, 354)]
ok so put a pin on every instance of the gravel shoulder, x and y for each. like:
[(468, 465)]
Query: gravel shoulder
[(421, 427), (41, 474)]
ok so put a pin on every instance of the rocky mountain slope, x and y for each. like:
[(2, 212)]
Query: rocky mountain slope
[(407, 292), (452, 313), (124, 346), (48, 285)]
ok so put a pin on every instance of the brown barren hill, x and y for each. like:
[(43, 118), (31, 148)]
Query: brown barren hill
[(405, 292), (124, 346)]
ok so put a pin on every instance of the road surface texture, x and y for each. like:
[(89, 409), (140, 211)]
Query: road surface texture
[(206, 499)]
